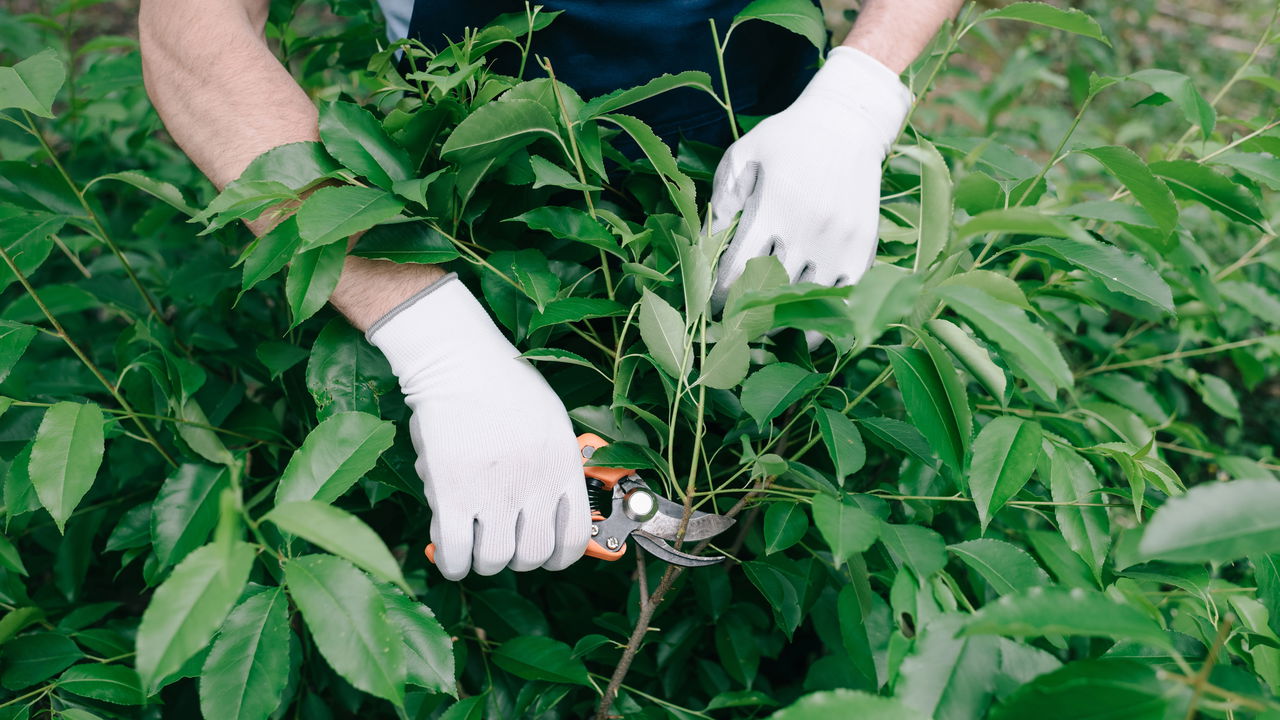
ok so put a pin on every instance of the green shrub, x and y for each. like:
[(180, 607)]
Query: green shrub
[(1030, 474)]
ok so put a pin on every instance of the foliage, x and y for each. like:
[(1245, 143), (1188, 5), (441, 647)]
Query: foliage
[(1027, 475)]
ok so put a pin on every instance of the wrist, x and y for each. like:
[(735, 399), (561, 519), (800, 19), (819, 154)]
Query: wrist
[(436, 332), (370, 290)]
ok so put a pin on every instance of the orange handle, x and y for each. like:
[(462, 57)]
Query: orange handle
[(588, 443)]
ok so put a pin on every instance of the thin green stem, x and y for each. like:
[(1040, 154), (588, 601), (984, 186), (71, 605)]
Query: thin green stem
[(38, 691), (84, 358), (727, 102), (1231, 82), (1179, 355), (93, 217)]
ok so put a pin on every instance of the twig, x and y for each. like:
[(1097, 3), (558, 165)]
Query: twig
[(1180, 354), (1201, 678)]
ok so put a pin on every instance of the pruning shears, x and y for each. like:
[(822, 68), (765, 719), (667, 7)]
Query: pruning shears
[(623, 507)]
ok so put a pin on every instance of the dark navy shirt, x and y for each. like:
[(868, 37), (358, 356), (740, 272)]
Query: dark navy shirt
[(604, 45)]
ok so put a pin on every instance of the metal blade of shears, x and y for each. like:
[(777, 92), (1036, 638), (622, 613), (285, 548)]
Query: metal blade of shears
[(701, 525), (666, 553)]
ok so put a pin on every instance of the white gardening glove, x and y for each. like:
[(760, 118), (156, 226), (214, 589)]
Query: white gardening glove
[(496, 450), (807, 180)]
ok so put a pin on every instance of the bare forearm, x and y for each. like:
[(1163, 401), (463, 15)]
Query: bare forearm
[(226, 99), (896, 31), (223, 96)]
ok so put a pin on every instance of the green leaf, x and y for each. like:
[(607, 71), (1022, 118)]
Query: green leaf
[(774, 388), (159, 189), (540, 658), (727, 363), (1218, 395), (679, 187), (353, 136), (1054, 611), (1267, 573), (428, 649), (547, 173), (331, 214), (349, 624), (1086, 529), (1154, 196), (843, 703), (345, 372), (1190, 180), (919, 548), (189, 607), (242, 201), (853, 632), (569, 223), (1258, 301), (843, 441), (785, 524), (663, 331), (14, 339), (1004, 456), (270, 253), (624, 454), (778, 592), (847, 528), (761, 273), (32, 84), (947, 675), (928, 402), (1059, 560), (337, 453), (1132, 393), (497, 129), (19, 494), (884, 295), (10, 558), (1069, 20), (1094, 690), (936, 204), (1020, 221), (34, 657), (26, 237), (1215, 522), (312, 278), (1027, 347), (295, 165), (575, 309), (65, 457), (1120, 271), (973, 356), (531, 271), (1005, 566), (115, 684), (16, 620), (186, 510), (406, 242), (247, 670), (558, 355), (472, 708), (1182, 91), (801, 17), (618, 99), (341, 533)]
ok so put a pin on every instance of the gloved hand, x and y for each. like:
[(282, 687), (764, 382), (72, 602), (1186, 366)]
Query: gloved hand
[(496, 450), (807, 180)]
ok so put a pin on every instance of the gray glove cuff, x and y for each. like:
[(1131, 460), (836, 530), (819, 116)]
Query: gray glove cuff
[(368, 334)]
